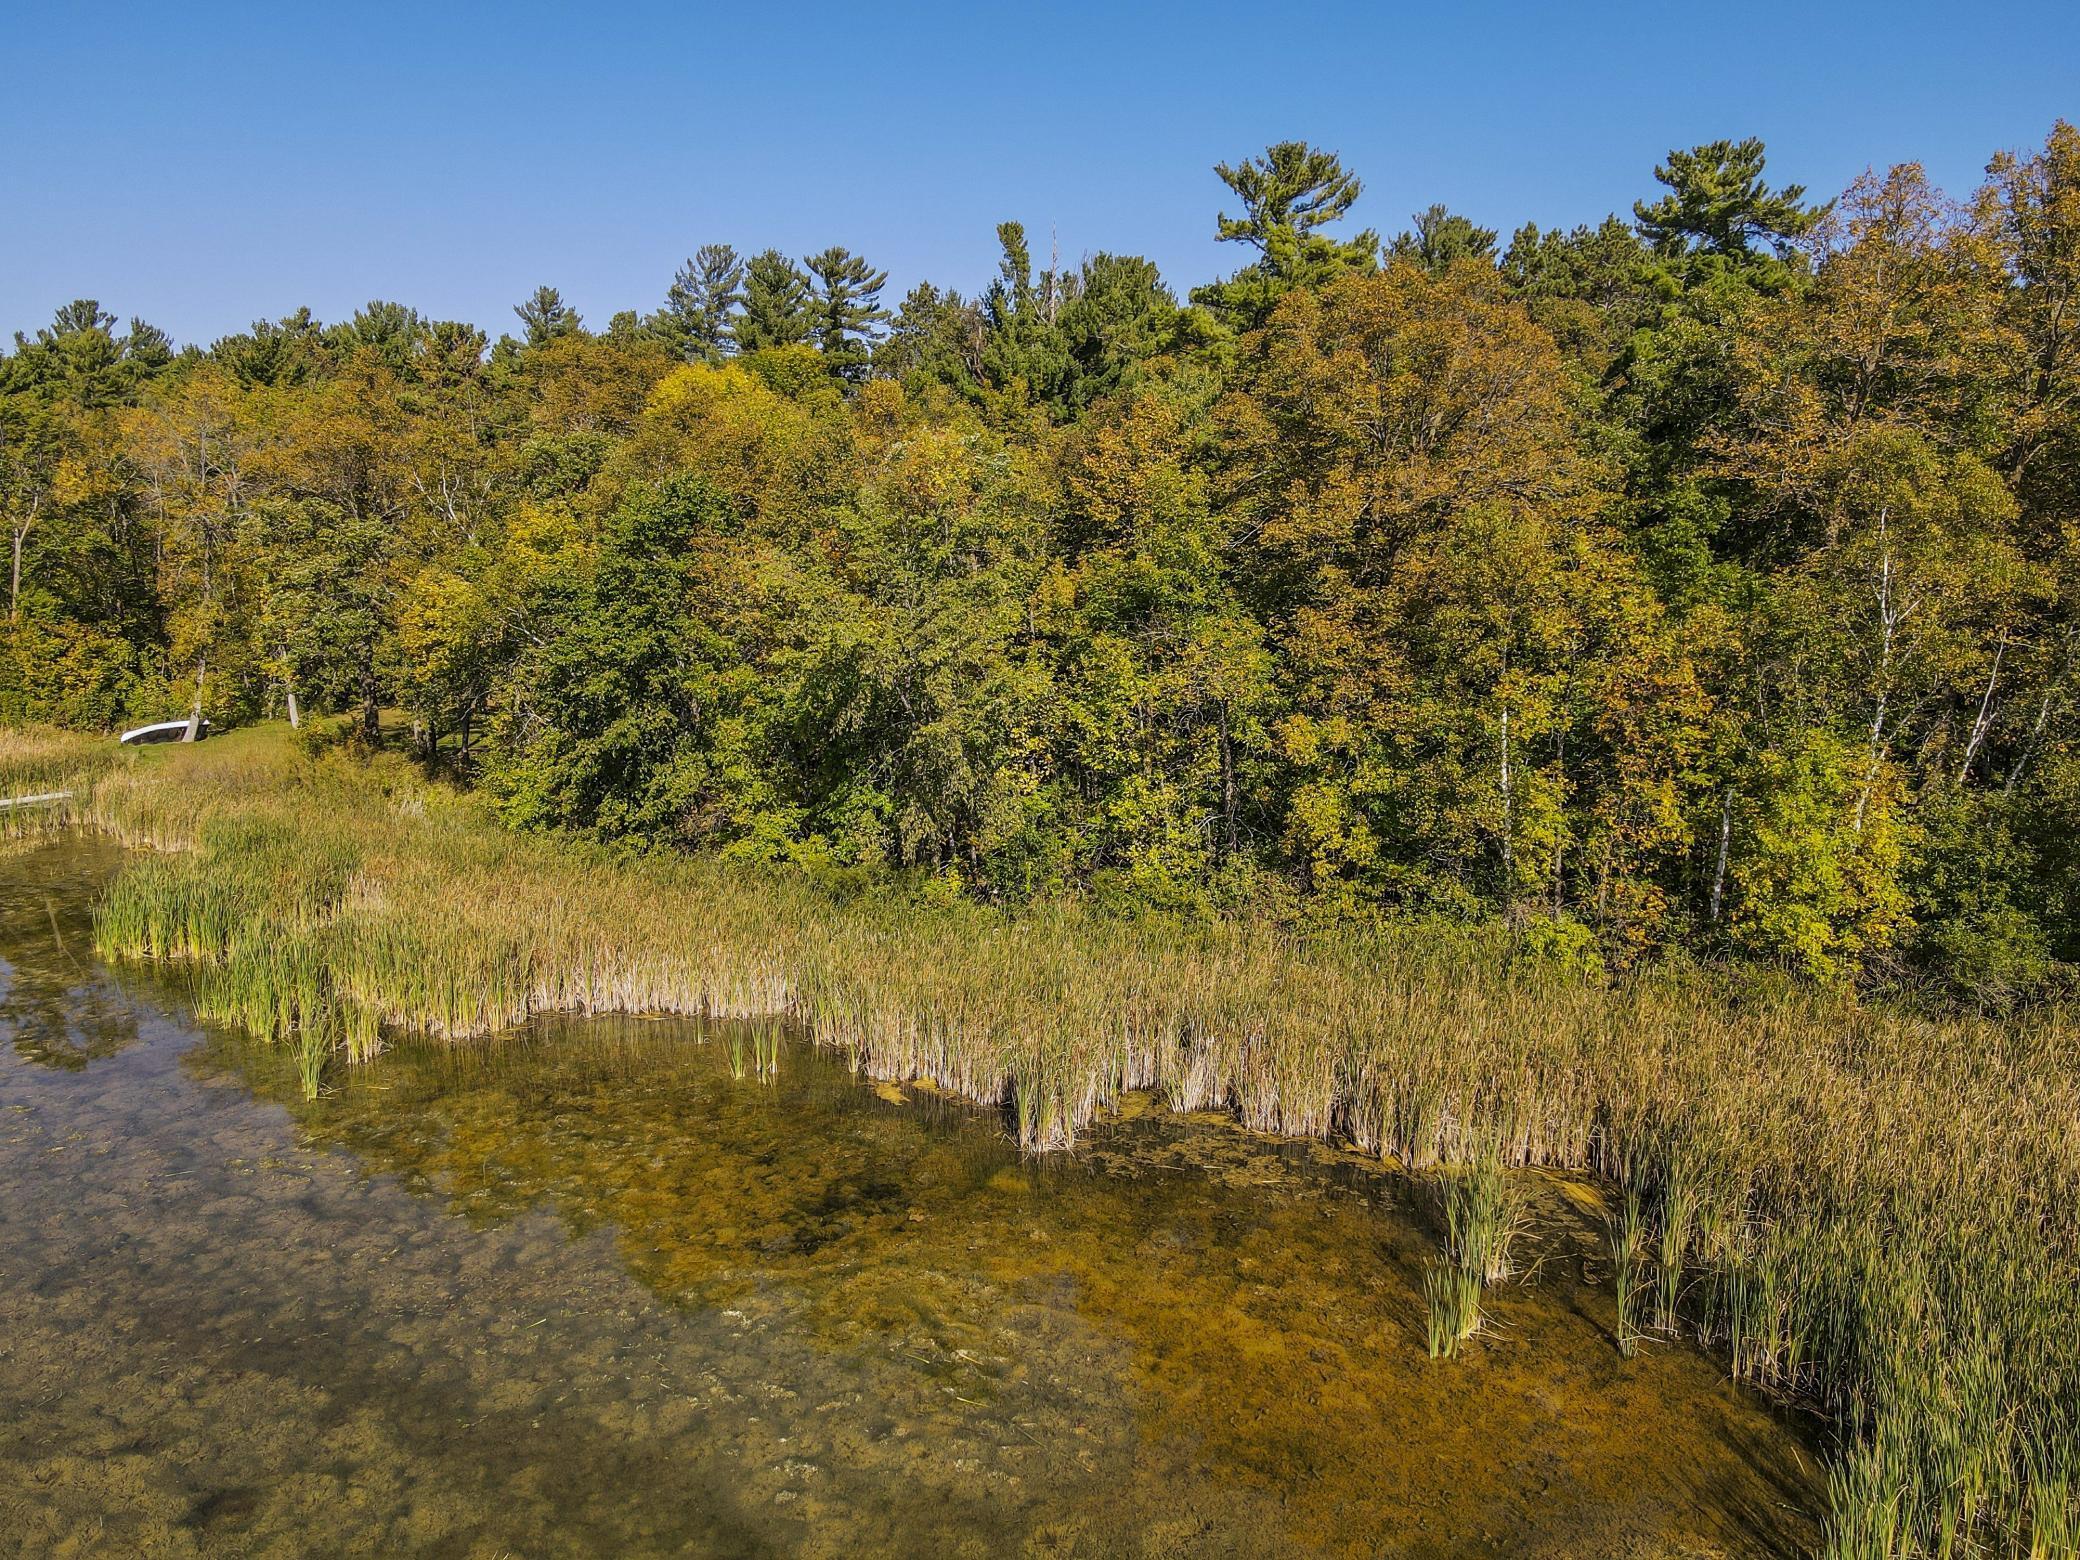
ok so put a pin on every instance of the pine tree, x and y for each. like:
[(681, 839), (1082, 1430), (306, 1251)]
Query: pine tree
[(700, 305), (1441, 238), (937, 338), (1287, 195), (1718, 204), (778, 310), (848, 312), (1019, 312), (390, 330), (547, 316)]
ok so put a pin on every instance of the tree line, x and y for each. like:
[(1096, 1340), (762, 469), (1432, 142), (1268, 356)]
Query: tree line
[(1703, 583)]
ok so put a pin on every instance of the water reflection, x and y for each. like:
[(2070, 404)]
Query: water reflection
[(584, 1291), (57, 1008)]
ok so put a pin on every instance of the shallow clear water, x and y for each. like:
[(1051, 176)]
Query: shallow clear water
[(581, 1291)]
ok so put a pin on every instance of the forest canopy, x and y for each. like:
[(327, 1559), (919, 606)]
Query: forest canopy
[(1698, 582)]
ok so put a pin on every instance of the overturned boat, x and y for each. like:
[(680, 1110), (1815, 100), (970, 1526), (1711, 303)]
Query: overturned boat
[(166, 731)]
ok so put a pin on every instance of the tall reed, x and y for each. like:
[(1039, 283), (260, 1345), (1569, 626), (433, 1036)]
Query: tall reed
[(46, 778), (1628, 1246), (1483, 1215)]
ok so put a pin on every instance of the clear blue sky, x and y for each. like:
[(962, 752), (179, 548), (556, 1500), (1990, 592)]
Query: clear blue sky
[(205, 163)]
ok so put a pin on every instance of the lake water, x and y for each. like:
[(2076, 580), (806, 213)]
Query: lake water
[(583, 1291)]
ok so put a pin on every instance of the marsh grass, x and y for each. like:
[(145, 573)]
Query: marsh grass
[(1677, 1227), (1483, 1216), (1628, 1238), (40, 763), (2054, 1505), (313, 1048), (1452, 1307), (1868, 1212)]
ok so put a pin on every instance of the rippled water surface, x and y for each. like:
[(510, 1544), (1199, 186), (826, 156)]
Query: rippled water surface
[(582, 1291)]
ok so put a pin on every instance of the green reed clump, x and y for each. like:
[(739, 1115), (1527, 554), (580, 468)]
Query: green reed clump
[(313, 1048), (1677, 1227), (283, 992), (2054, 1489), (1483, 1216), (1452, 1307), (1865, 1499), (1873, 1213), (1628, 1244)]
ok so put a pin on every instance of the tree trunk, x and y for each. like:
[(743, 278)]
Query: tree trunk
[(195, 715), (1985, 717), (19, 534), (1725, 838), (371, 709), (2022, 758), (1509, 874), (289, 692), (1227, 787), (1889, 618)]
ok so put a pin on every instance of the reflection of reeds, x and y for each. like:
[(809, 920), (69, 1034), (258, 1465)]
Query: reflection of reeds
[(1875, 1213)]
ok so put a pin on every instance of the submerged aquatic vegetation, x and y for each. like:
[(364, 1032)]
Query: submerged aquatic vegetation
[(1871, 1212)]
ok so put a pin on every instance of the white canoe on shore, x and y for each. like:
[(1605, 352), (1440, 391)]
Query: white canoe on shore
[(162, 731)]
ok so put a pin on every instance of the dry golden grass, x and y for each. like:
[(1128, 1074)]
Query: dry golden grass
[(39, 763)]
